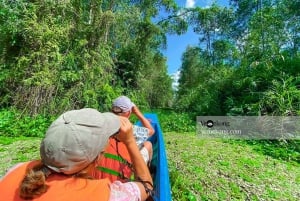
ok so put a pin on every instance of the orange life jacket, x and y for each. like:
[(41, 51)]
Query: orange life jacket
[(116, 163), (61, 187)]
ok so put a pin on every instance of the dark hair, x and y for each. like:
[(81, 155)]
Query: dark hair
[(34, 182), (116, 110)]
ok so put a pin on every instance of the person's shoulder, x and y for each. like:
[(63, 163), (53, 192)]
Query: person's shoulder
[(13, 168), (20, 168)]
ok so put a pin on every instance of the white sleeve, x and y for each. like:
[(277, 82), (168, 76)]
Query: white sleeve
[(128, 191)]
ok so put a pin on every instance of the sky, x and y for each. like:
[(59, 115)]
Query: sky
[(176, 45)]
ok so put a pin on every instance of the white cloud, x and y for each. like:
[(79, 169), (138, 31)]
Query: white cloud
[(182, 15), (190, 3), (208, 4), (175, 77)]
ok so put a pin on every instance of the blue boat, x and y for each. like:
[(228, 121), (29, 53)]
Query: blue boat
[(162, 189)]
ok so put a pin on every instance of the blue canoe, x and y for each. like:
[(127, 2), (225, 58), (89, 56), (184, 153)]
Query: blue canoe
[(161, 179)]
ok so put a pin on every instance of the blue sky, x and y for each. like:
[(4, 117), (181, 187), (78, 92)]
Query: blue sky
[(176, 45)]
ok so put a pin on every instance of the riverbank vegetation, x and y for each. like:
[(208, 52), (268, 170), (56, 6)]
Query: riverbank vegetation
[(62, 55)]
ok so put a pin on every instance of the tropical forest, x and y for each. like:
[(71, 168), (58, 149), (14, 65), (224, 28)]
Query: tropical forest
[(60, 55)]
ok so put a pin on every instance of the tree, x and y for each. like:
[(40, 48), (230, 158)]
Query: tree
[(241, 61), (59, 55), (212, 25)]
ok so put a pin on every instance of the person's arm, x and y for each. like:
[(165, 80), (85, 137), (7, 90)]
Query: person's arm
[(142, 172), (135, 110)]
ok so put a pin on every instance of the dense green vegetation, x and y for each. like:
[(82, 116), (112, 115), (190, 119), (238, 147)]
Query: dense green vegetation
[(247, 62), (15, 124), (61, 55)]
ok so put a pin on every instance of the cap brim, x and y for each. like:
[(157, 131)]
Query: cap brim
[(113, 123)]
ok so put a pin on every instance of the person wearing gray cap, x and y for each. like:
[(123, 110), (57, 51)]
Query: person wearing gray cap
[(123, 106), (73, 144)]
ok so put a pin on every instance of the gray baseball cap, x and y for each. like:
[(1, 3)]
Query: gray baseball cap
[(76, 138), (124, 103)]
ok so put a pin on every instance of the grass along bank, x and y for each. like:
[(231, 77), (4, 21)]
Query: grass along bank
[(15, 150), (219, 170), (200, 169)]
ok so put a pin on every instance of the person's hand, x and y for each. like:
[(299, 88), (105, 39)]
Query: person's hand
[(135, 110), (126, 131)]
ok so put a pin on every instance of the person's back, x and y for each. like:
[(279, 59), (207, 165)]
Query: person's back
[(59, 187), (116, 163), (124, 107), (72, 147)]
